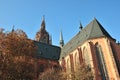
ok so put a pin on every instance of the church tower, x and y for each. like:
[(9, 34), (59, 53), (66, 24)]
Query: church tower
[(42, 35), (61, 40)]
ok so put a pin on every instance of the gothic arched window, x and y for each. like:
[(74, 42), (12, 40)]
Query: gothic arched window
[(86, 56), (101, 62), (75, 59), (68, 65)]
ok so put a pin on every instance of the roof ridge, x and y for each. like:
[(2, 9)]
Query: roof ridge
[(92, 31), (104, 32)]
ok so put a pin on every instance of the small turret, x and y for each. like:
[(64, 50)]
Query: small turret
[(61, 40)]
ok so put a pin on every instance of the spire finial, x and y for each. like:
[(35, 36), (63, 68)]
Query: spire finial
[(43, 19), (81, 27), (61, 39)]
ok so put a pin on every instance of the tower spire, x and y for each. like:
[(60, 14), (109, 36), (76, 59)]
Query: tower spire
[(43, 23), (61, 39), (42, 35)]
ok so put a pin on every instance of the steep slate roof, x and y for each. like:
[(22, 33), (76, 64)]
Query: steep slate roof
[(93, 30), (47, 51)]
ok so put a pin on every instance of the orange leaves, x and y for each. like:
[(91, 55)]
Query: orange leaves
[(17, 52), (17, 45)]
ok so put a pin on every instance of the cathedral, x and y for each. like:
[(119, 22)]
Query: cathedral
[(92, 45)]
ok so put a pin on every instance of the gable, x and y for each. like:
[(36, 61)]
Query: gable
[(93, 30)]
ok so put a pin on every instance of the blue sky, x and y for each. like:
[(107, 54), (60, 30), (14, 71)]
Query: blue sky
[(64, 15)]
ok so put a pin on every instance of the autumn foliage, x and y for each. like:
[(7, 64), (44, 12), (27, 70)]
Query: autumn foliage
[(16, 56), (18, 62), (82, 72)]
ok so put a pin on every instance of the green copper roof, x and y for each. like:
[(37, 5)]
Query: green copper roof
[(48, 51), (93, 30)]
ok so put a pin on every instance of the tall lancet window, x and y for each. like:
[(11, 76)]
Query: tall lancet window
[(76, 60), (68, 65), (101, 62), (86, 57)]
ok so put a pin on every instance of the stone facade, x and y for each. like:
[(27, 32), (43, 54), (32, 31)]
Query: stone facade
[(92, 45), (99, 51)]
